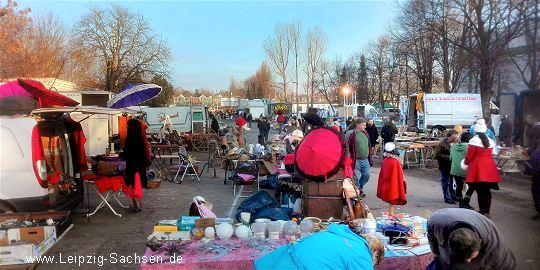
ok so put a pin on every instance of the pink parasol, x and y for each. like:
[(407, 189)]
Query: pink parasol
[(320, 154)]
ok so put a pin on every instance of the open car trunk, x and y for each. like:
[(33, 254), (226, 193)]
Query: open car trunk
[(62, 141)]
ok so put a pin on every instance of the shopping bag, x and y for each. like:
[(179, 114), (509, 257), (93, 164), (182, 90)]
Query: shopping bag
[(204, 211)]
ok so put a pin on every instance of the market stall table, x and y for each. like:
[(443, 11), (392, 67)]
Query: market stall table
[(163, 154), (110, 185), (510, 164), (429, 150), (415, 149), (243, 256)]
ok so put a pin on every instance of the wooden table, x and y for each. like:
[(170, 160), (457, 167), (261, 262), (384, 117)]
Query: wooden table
[(162, 153), (512, 162), (429, 150), (413, 148)]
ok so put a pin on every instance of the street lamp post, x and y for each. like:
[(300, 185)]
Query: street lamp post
[(346, 91)]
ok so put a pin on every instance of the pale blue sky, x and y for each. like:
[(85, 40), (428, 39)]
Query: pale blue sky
[(214, 40)]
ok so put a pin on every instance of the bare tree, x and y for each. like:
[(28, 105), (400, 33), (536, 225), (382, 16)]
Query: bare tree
[(315, 48), (414, 30), (125, 45), (378, 60), (493, 25), (451, 37), (278, 49), (525, 55), (295, 39)]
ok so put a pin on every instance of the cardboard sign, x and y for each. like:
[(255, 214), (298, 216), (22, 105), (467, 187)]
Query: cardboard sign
[(205, 222)]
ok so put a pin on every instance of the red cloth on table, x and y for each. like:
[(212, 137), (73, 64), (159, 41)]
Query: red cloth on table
[(391, 187), (481, 168), (134, 191), (104, 183)]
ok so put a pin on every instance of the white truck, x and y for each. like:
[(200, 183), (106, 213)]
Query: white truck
[(436, 112), (183, 119)]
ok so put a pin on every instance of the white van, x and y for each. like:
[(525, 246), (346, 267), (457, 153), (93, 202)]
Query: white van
[(441, 111), (34, 153), (30, 152)]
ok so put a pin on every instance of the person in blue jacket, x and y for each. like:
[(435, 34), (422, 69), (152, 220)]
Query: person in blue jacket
[(336, 248), (490, 131)]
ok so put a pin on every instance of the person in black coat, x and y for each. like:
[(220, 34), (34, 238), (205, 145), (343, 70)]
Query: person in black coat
[(264, 128), (373, 134), (464, 239), (214, 125)]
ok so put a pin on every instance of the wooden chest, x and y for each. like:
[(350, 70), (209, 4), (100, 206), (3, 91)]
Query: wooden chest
[(323, 200)]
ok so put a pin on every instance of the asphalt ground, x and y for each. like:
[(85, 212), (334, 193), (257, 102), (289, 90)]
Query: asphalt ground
[(104, 233)]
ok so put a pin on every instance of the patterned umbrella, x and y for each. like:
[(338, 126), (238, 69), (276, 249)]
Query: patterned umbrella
[(134, 95)]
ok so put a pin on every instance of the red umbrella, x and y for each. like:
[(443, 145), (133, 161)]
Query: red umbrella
[(320, 154), (46, 97)]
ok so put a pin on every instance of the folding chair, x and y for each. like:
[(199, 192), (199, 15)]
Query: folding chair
[(185, 164), (249, 167)]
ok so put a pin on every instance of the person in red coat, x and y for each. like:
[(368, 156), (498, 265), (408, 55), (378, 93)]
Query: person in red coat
[(482, 173), (391, 187)]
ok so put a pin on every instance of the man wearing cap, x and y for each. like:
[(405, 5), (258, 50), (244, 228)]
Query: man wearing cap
[(360, 152)]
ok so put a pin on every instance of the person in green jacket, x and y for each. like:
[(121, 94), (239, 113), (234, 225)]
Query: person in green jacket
[(457, 154)]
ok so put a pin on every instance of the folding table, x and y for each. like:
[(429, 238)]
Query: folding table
[(110, 185)]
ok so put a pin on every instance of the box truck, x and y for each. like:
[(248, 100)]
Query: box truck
[(437, 112)]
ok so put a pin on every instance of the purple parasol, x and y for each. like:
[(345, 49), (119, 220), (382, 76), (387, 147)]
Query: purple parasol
[(134, 95)]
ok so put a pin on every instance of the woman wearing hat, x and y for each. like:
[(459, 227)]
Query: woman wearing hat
[(241, 123), (482, 173)]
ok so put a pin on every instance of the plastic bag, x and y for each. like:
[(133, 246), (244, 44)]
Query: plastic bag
[(261, 205)]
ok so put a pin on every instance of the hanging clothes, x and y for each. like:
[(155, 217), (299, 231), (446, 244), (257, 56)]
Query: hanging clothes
[(76, 141)]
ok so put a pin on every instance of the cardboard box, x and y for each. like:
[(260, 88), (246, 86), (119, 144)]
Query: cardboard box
[(173, 236), (187, 223), (34, 235), (62, 218), (165, 228), (16, 252), (4, 240)]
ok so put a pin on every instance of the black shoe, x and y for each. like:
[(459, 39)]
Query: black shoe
[(449, 201), (465, 204)]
